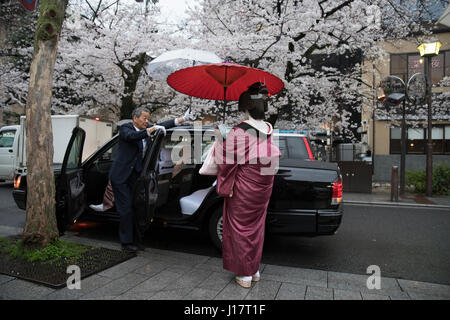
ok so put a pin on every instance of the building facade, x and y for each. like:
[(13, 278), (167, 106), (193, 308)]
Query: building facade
[(382, 132)]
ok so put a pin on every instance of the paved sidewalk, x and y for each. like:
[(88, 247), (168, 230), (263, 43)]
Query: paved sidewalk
[(168, 275)]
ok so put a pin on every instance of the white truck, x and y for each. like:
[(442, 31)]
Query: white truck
[(13, 141)]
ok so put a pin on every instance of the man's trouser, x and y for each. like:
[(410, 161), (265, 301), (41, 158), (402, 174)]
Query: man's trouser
[(123, 197)]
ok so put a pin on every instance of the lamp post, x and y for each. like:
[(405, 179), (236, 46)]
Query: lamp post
[(397, 93), (392, 92), (428, 50)]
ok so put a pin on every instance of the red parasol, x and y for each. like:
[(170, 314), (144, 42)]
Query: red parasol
[(221, 81)]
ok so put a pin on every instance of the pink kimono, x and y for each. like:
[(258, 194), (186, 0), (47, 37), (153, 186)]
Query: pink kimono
[(247, 161)]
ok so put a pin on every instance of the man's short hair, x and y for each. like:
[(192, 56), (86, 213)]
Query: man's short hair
[(137, 112)]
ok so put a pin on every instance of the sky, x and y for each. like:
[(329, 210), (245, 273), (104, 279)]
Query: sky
[(173, 9)]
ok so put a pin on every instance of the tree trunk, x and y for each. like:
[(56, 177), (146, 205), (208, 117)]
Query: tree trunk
[(40, 227), (130, 81)]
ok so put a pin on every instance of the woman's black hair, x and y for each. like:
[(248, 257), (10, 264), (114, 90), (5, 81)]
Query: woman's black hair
[(257, 113), (254, 101)]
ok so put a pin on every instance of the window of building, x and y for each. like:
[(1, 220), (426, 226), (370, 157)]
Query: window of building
[(447, 63), (406, 65), (447, 139), (399, 65), (396, 136), (437, 139), (415, 65), (416, 140)]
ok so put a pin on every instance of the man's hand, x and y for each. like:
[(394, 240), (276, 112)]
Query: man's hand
[(188, 116), (156, 127)]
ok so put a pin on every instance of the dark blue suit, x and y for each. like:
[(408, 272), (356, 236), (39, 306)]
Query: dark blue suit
[(125, 170)]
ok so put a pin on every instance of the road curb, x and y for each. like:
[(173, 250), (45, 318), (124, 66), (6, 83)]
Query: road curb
[(396, 204)]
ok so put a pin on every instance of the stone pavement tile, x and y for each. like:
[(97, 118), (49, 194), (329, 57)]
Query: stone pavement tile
[(291, 291), (157, 282), (423, 291), (356, 282), (189, 280), (264, 290), (318, 293), (152, 267), (131, 295), (4, 278), (181, 258), (117, 287), (216, 264), (123, 268), (70, 236), (212, 264), (400, 296), (216, 280), (178, 294), (201, 294), (88, 285), (346, 295), (232, 291), (23, 290), (308, 277), (373, 296), (180, 269), (99, 298)]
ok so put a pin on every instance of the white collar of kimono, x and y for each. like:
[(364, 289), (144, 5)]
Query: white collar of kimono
[(260, 125)]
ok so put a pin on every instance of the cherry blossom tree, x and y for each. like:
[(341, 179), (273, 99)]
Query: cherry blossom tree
[(106, 44), (104, 49), (40, 226), (286, 37)]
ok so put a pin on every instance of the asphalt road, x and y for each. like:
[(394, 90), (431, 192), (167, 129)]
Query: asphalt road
[(406, 243)]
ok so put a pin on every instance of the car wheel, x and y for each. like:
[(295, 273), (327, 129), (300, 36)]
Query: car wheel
[(215, 227)]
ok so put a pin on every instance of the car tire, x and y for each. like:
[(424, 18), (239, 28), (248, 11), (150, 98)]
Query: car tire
[(215, 227)]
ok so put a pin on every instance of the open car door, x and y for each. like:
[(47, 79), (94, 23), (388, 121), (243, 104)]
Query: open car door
[(145, 194), (71, 198)]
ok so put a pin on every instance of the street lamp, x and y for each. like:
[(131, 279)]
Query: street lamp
[(428, 50), (392, 92)]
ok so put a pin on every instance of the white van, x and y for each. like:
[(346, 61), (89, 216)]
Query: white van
[(9, 142)]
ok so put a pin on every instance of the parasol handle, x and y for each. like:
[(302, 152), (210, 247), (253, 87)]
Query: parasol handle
[(225, 103)]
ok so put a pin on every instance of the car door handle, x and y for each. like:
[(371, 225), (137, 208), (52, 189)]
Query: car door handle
[(10, 150)]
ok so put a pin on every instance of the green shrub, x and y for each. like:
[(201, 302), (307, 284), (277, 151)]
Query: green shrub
[(417, 179), (441, 179), (54, 251)]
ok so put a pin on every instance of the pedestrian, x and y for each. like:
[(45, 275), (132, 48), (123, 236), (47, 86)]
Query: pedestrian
[(134, 138), (246, 160)]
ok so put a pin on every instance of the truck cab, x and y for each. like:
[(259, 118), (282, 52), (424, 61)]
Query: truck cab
[(9, 141)]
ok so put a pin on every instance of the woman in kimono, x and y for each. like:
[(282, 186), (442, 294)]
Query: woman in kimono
[(247, 160)]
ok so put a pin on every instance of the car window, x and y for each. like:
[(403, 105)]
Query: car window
[(177, 146), (293, 148), (207, 143), (297, 148), (75, 154), (108, 155), (282, 145), (7, 138)]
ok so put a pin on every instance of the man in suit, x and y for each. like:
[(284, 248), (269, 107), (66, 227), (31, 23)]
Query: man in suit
[(134, 137)]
